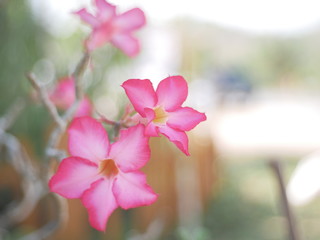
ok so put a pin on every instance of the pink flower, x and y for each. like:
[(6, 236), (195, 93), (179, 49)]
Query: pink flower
[(162, 108), (63, 96), (109, 27), (105, 176)]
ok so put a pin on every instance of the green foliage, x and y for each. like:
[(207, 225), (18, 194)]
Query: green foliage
[(21, 42)]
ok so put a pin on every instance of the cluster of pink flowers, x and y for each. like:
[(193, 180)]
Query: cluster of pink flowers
[(106, 175), (109, 27)]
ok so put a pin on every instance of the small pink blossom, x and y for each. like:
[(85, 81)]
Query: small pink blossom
[(103, 175), (109, 27), (162, 108), (63, 96)]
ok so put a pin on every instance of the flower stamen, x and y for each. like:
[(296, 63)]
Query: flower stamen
[(161, 115), (108, 168)]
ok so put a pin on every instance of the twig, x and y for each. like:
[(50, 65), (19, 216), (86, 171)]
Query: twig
[(32, 186), (50, 228), (78, 73), (51, 150), (117, 125), (19, 159), (106, 120), (57, 132), (287, 211), (10, 117), (46, 101)]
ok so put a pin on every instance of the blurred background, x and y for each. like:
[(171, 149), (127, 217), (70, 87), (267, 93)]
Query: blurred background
[(252, 67)]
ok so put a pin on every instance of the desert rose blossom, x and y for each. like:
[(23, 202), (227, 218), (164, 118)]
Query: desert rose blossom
[(63, 96), (108, 26), (162, 108), (103, 175)]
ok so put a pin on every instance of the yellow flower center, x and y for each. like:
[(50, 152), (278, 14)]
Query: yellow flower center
[(108, 168), (161, 115)]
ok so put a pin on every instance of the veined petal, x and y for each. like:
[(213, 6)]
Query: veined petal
[(131, 190), (100, 203), (185, 118), (127, 43), (131, 151), (105, 10), (73, 177), (88, 139), (179, 138), (141, 94), (98, 37), (172, 92), (87, 17), (130, 20)]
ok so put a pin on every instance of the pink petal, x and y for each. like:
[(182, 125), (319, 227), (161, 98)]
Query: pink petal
[(151, 128), (131, 190), (105, 10), (98, 38), (141, 94), (100, 203), (131, 151), (87, 17), (88, 139), (127, 43), (84, 108), (130, 20), (73, 177), (172, 92), (185, 119), (180, 139), (64, 93)]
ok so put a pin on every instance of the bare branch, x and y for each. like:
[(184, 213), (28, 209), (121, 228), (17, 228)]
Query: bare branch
[(33, 182), (293, 233), (10, 117), (57, 132), (46, 101), (32, 185), (78, 73), (50, 228), (106, 120)]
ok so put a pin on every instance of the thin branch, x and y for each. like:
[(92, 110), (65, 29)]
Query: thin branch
[(19, 159), (78, 73), (106, 120), (32, 186), (12, 114), (286, 208), (117, 125), (51, 227), (56, 133), (46, 101)]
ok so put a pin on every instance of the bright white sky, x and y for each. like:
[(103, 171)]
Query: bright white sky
[(258, 16)]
